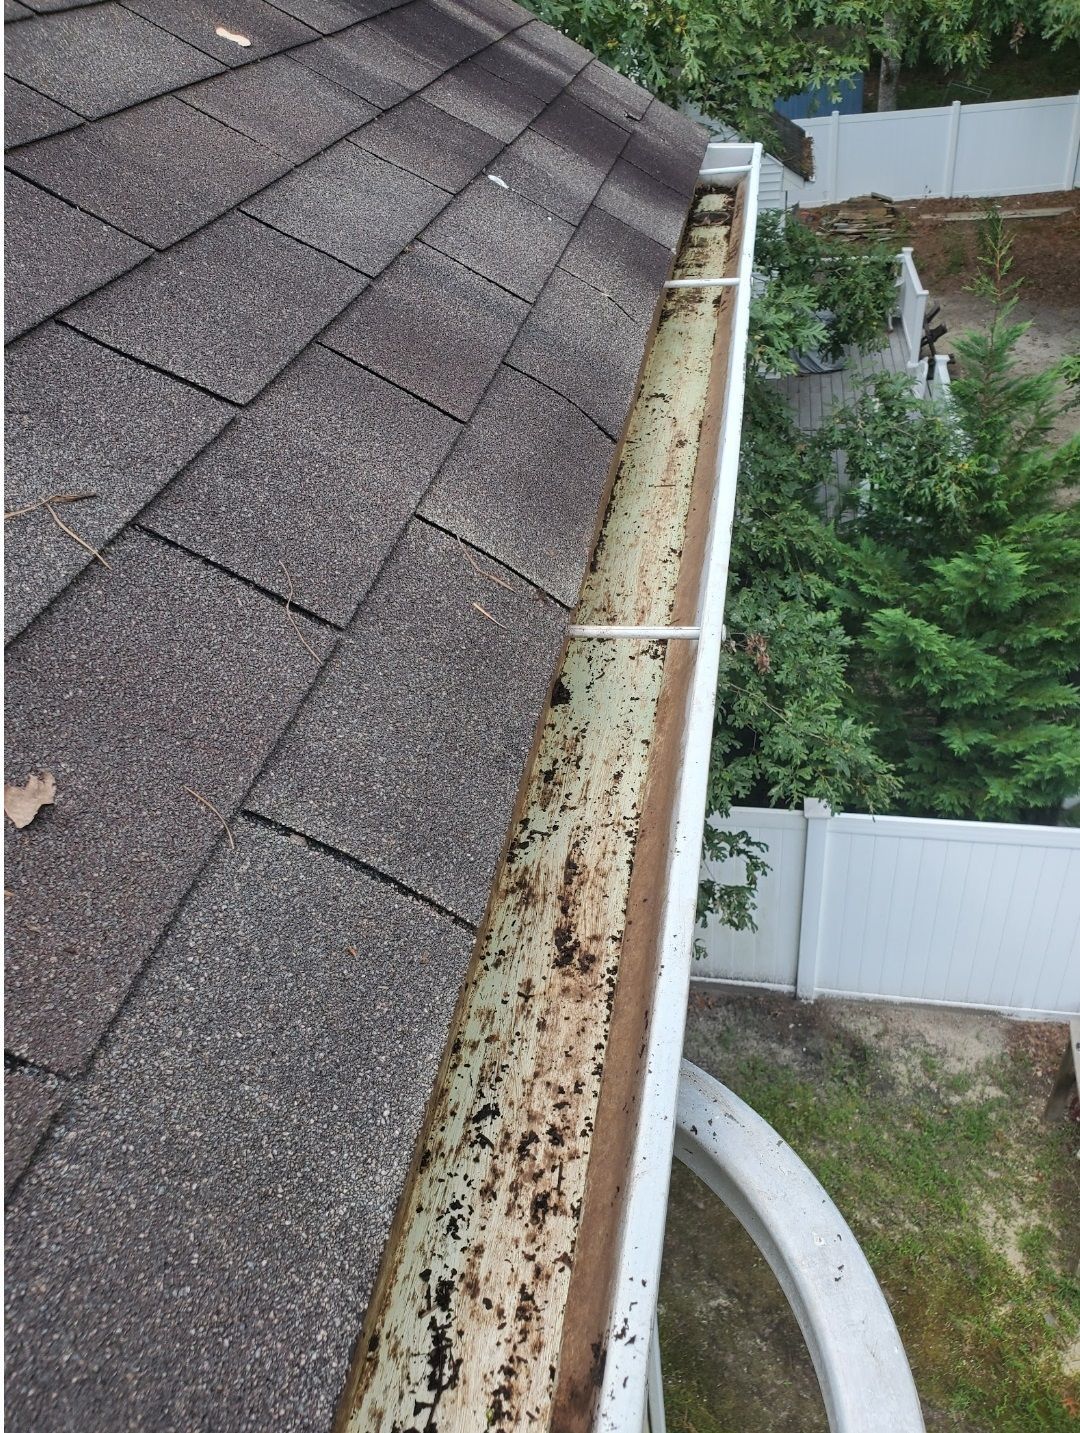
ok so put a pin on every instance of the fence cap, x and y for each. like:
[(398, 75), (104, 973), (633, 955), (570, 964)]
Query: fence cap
[(813, 807)]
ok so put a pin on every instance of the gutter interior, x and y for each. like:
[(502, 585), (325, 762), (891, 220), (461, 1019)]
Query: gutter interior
[(469, 1320)]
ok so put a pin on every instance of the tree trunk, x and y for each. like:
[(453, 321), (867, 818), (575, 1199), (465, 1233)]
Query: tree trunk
[(889, 73), (888, 82)]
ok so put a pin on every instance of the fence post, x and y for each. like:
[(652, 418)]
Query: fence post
[(831, 196), (942, 381), (1073, 152), (951, 144), (817, 815)]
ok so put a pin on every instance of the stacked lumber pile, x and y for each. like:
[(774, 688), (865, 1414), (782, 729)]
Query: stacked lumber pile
[(872, 217)]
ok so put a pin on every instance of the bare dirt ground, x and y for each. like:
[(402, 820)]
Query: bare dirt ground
[(1046, 257), (924, 1125)]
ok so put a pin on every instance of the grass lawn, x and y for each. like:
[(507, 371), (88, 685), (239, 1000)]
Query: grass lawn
[(926, 1134)]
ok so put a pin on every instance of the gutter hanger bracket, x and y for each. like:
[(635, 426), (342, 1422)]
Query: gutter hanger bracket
[(702, 284), (650, 634)]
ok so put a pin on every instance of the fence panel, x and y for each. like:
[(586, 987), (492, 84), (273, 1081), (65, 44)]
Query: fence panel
[(769, 955), (976, 150), (963, 913)]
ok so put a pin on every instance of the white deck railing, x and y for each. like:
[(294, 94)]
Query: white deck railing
[(862, 1369), (911, 308)]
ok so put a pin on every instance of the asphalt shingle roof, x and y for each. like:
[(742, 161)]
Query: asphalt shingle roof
[(268, 317)]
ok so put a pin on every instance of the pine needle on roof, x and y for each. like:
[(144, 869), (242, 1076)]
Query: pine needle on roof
[(482, 571), (289, 613), (485, 613), (205, 801)]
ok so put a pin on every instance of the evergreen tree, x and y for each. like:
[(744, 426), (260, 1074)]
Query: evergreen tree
[(960, 577)]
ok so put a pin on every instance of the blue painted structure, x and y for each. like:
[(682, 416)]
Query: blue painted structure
[(813, 103)]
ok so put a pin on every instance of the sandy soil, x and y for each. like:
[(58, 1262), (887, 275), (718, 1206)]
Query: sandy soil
[(737, 1338)]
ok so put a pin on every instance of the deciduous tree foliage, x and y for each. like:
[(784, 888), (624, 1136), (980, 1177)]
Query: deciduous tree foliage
[(734, 58), (731, 58)]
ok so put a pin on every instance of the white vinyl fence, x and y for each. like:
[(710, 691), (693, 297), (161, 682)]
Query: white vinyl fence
[(976, 150), (965, 913)]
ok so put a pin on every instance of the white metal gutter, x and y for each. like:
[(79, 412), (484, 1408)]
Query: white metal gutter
[(862, 1369), (641, 1235)]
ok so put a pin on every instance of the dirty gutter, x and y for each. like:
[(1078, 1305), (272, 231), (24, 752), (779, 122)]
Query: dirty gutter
[(641, 1230), (494, 1302)]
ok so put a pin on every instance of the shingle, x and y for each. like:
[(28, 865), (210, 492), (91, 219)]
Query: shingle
[(29, 1106), (101, 59), (197, 21), (326, 16), (581, 130), (430, 143), (14, 11), (618, 261), (563, 182), (502, 15), (582, 345), (45, 6), (29, 116), (158, 171), (219, 1200), (676, 127), (159, 674), (435, 33), (55, 255), (611, 94), (435, 705), (644, 203), (670, 154), (558, 48), (525, 483), (525, 58), (82, 419), (227, 309), (351, 205), (500, 235), (321, 473), (368, 62), (478, 97), (432, 327), (490, 21), (282, 105)]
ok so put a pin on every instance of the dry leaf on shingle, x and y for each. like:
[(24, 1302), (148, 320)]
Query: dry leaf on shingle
[(232, 35), (22, 803)]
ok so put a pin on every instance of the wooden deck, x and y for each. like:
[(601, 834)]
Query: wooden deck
[(813, 395)]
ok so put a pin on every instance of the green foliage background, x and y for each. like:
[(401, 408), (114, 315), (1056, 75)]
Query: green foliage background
[(906, 639)]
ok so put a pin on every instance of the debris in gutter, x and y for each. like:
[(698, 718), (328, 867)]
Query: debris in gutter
[(22, 803), (289, 613), (223, 34), (204, 801)]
